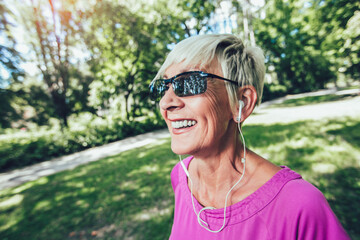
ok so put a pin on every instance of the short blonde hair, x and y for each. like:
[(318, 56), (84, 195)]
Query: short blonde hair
[(240, 63)]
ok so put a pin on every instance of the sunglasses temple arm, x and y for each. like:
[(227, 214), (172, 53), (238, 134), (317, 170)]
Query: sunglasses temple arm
[(225, 79)]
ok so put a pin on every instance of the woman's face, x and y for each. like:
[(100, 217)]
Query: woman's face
[(207, 116)]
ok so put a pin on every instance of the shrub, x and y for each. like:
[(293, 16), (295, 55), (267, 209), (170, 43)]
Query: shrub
[(23, 148)]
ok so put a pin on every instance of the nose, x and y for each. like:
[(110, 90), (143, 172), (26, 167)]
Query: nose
[(170, 101)]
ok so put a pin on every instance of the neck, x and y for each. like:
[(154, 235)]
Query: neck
[(214, 173)]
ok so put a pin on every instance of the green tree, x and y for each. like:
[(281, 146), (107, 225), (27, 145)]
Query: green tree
[(9, 56), (122, 51), (339, 23), (10, 70), (351, 47), (128, 42), (292, 46), (53, 35), (196, 15)]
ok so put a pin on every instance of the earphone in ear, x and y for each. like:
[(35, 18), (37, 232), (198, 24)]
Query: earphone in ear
[(241, 105)]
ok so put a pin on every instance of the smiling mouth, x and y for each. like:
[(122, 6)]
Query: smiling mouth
[(183, 124)]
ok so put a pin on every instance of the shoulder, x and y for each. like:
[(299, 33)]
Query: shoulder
[(292, 191), (303, 200), (301, 194), (305, 207)]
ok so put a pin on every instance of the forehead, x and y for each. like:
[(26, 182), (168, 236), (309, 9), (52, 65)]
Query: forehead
[(177, 68)]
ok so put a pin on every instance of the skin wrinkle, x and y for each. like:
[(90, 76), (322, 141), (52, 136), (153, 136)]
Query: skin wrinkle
[(210, 96), (215, 89)]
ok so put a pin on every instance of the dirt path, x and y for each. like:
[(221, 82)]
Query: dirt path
[(269, 115)]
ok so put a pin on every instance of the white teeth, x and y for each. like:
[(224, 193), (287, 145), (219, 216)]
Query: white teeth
[(183, 123)]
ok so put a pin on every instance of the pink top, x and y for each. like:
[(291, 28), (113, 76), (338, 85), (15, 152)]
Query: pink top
[(286, 207)]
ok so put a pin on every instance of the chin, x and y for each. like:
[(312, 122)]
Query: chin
[(180, 149)]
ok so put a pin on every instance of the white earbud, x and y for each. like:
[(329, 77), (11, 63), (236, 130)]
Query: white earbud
[(241, 105)]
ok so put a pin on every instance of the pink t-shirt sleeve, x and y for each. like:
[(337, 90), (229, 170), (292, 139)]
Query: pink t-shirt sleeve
[(307, 214)]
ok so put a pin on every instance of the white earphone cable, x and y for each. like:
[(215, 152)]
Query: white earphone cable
[(201, 221)]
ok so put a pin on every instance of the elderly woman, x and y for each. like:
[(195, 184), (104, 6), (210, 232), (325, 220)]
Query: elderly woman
[(207, 86)]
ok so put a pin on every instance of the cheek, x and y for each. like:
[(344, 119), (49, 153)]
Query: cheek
[(163, 113), (219, 108), (164, 116)]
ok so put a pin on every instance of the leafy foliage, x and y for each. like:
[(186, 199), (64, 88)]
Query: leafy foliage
[(123, 51), (9, 63), (293, 47), (28, 147), (127, 44), (9, 56), (339, 23), (52, 29), (309, 44)]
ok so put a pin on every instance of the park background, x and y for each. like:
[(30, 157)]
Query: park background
[(75, 75)]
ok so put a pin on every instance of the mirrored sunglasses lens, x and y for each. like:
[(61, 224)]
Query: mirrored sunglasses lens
[(157, 90), (199, 84), (189, 85)]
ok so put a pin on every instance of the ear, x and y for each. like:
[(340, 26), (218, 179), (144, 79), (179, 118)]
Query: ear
[(249, 96)]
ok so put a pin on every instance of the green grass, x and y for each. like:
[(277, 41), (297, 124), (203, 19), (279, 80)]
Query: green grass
[(126, 195), (326, 153), (129, 196), (312, 100)]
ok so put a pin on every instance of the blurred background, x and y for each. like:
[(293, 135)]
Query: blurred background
[(74, 74)]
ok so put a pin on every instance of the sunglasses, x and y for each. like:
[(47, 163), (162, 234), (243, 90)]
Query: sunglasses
[(184, 84)]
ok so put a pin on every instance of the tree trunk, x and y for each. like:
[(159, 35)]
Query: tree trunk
[(55, 71), (127, 106), (246, 23), (252, 36)]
